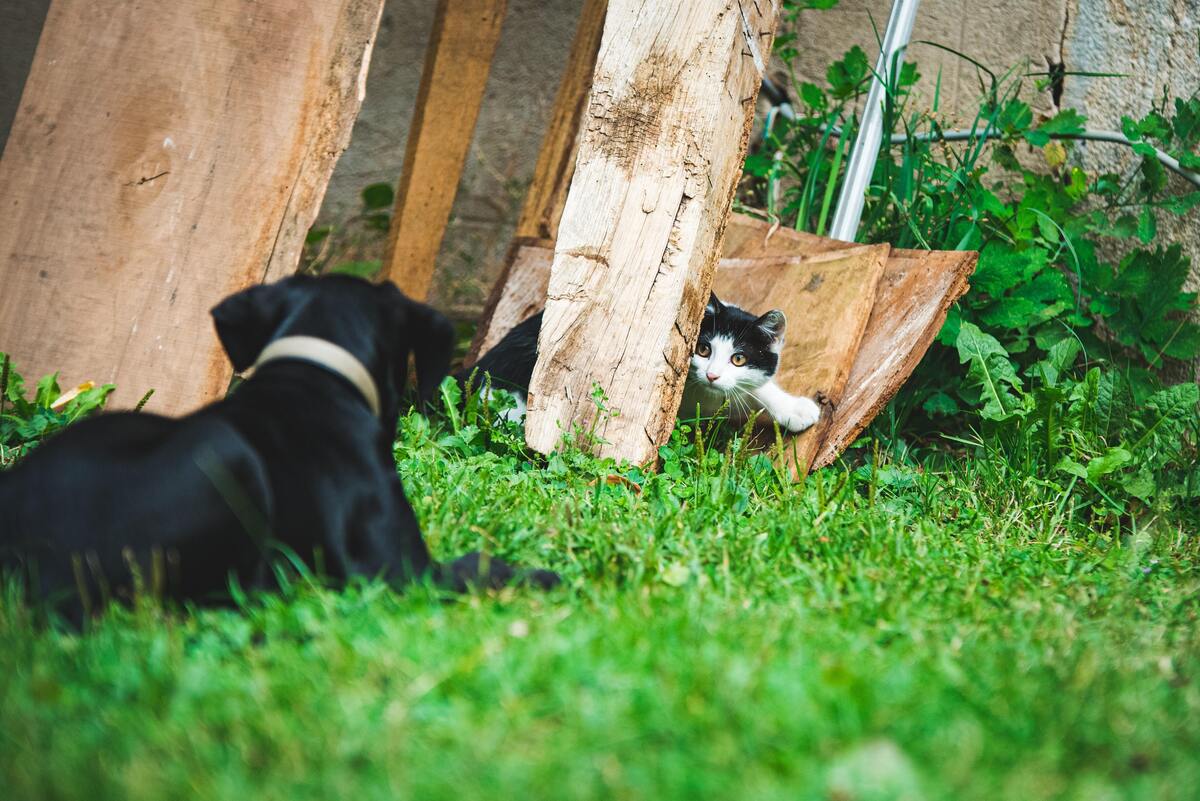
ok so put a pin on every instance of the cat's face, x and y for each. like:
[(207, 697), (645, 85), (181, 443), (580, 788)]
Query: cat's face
[(736, 350)]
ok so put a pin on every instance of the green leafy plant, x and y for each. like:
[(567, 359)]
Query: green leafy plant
[(1131, 446), (24, 423), (1072, 285)]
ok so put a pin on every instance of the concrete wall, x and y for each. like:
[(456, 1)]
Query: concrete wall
[(1155, 44), (998, 35), (1153, 41)]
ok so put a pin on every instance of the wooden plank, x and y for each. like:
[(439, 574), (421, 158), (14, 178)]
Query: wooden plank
[(163, 156), (917, 290), (520, 297), (457, 62), (827, 298), (664, 136), (555, 166), (751, 238)]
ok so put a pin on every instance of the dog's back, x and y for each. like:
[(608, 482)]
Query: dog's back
[(128, 497)]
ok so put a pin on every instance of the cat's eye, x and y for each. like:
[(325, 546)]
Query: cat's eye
[(703, 350), (738, 359)]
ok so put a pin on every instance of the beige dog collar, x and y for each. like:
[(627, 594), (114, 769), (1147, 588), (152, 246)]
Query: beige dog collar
[(325, 354)]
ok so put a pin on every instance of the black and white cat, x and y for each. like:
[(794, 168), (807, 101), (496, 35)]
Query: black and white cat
[(734, 363)]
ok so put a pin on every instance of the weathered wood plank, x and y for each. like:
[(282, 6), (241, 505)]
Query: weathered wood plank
[(827, 297), (547, 193), (917, 290), (457, 62), (163, 156), (664, 136), (521, 296)]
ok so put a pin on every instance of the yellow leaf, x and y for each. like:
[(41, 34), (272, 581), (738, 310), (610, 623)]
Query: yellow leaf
[(70, 395), (1056, 154)]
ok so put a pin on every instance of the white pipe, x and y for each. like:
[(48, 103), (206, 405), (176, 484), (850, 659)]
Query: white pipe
[(870, 133)]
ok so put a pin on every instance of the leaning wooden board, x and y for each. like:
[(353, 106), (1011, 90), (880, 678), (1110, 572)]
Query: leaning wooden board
[(915, 292), (458, 59), (827, 298), (661, 150), (163, 156)]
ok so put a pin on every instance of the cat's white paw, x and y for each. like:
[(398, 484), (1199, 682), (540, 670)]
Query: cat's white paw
[(798, 414)]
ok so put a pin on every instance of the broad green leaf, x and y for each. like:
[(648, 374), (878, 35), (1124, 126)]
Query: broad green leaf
[(948, 335), (1166, 415), (1060, 358), (1067, 121), (847, 76), (317, 234), (940, 404), (812, 95), (1113, 459), (759, 164), (378, 196), (1001, 268), (992, 372), (1069, 465), (47, 390), (1140, 484), (1147, 225)]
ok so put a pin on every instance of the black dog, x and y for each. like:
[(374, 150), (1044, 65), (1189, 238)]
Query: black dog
[(300, 455)]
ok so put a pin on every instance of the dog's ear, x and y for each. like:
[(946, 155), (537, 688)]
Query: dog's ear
[(432, 336), (246, 321), (429, 336), (433, 350)]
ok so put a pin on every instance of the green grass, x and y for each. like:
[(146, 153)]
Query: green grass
[(890, 633)]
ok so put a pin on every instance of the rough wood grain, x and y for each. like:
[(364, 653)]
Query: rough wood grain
[(163, 156), (547, 193), (664, 136), (827, 298), (458, 59), (917, 290)]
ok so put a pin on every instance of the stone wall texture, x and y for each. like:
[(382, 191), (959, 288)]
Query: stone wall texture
[(1154, 43)]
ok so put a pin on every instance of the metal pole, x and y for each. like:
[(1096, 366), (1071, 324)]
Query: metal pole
[(870, 133)]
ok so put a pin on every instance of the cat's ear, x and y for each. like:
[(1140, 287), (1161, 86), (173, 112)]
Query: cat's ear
[(714, 304), (773, 324)]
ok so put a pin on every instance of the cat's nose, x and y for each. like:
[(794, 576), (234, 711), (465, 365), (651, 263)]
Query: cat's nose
[(711, 376)]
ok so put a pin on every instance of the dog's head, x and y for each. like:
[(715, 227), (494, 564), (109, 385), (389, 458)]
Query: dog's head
[(376, 323)]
